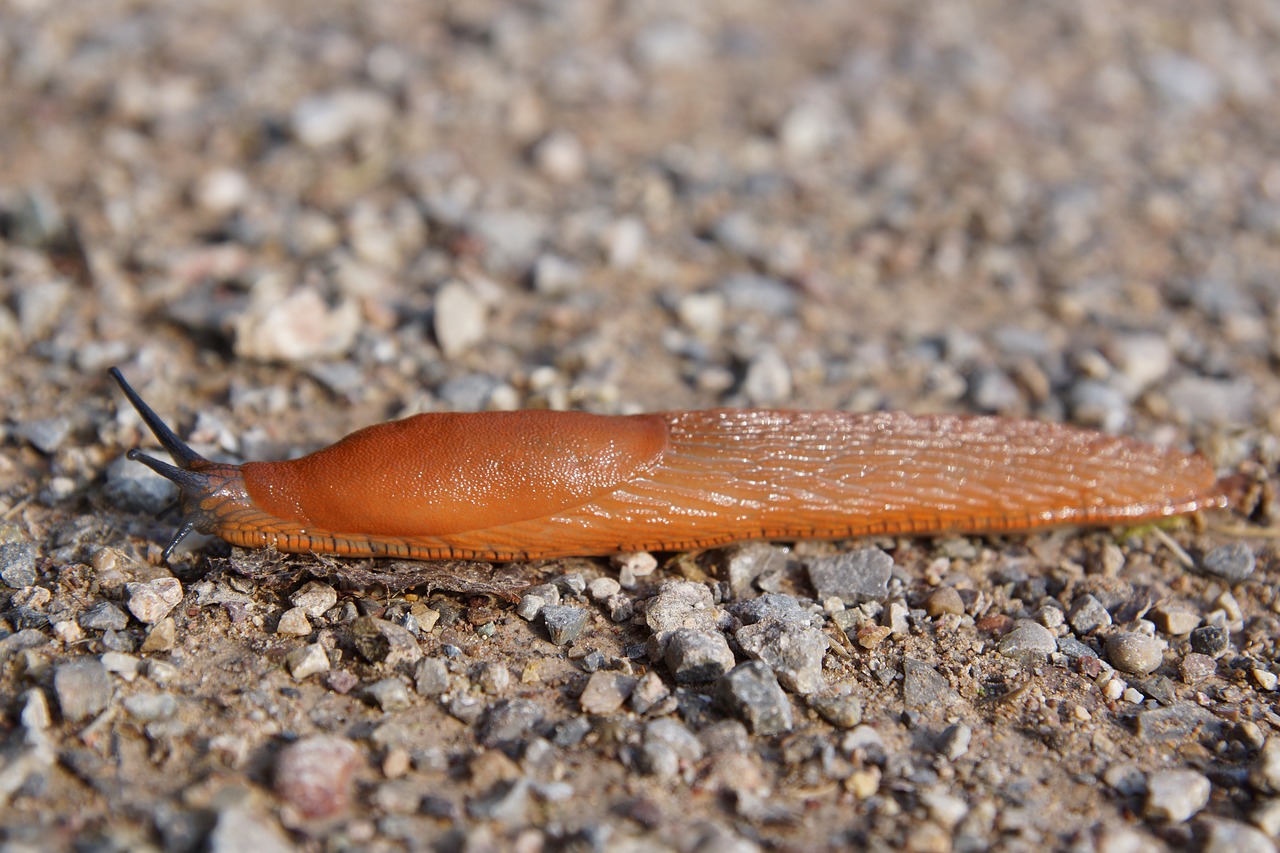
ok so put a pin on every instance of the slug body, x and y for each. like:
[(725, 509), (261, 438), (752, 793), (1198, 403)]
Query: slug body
[(536, 484)]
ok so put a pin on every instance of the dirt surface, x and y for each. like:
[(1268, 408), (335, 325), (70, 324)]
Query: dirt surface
[(285, 222)]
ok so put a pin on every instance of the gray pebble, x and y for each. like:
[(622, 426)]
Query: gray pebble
[(554, 276), (1074, 649), (1029, 639), (954, 741), (772, 606), (83, 688), (382, 642), (1099, 405), (510, 721), (752, 693), (744, 563), (564, 623), (131, 486), (923, 686), (239, 828), (763, 294), (506, 804), (1087, 615), (391, 694), (793, 651), (1179, 721), (606, 692), (1135, 653), (573, 583), (1183, 82), (842, 710), (45, 435), (695, 656), (332, 117), (431, 677), (314, 598), (18, 564), (854, 577), (530, 606), (1233, 562), (148, 707), (993, 391), (650, 692), (768, 379), (1176, 795), (1210, 640), (1201, 399), (307, 661), (511, 238)]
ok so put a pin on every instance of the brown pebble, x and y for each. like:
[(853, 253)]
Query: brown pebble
[(942, 601), (314, 775), (1196, 667), (870, 636)]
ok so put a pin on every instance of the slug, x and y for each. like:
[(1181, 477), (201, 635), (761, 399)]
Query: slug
[(524, 485)]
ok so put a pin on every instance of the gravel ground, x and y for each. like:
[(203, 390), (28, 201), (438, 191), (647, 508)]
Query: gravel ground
[(286, 222)]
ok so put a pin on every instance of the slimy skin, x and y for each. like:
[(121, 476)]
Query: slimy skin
[(538, 484)]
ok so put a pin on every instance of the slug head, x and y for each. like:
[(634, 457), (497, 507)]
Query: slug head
[(205, 486)]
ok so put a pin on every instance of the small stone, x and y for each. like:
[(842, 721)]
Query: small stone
[(605, 692), (383, 642), (870, 636), (151, 601), (391, 694), (602, 588), (18, 564), (894, 617), (752, 693), (1210, 640), (1135, 653), (431, 678), (560, 156), (1265, 679), (564, 623), (649, 692), (460, 319), (510, 721), (148, 707), (633, 565), (676, 740), (1088, 615), (768, 379), (341, 681), (125, 666), (775, 607), (1029, 640), (68, 632), (954, 741), (314, 775), (530, 606), (1176, 795), (1264, 772), (745, 563), (1229, 836), (695, 656), (923, 686), (238, 828), (793, 651), (840, 709), (162, 637), (494, 678), (1196, 667), (1175, 621), (294, 623), (332, 117), (1232, 563), (46, 435), (314, 598), (943, 601), (854, 577), (222, 190), (307, 661), (1178, 722), (83, 688), (104, 616), (294, 326)]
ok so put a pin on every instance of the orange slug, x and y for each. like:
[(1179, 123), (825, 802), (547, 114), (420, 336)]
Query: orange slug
[(535, 484)]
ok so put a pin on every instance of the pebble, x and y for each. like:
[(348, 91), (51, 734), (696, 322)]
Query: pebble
[(333, 117), (943, 601), (459, 320), (747, 562), (768, 379), (18, 564), (1135, 653), (695, 656), (894, 617), (681, 604), (383, 642), (294, 327), (564, 623), (131, 486), (1029, 639), (1229, 836), (46, 435), (606, 692), (494, 678), (793, 651), (923, 686), (1265, 679), (510, 721), (1196, 667), (602, 588), (307, 661), (1099, 405), (649, 693), (676, 736), (149, 707), (774, 607), (954, 741), (633, 565), (1175, 621), (161, 638), (1210, 640), (1205, 400), (1264, 772), (239, 828), (293, 622), (390, 694), (1233, 562), (511, 238), (855, 577), (1179, 721), (104, 616), (431, 677), (314, 598), (83, 688), (530, 606), (1176, 795), (221, 191), (751, 692), (314, 775), (838, 708), (151, 601)]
